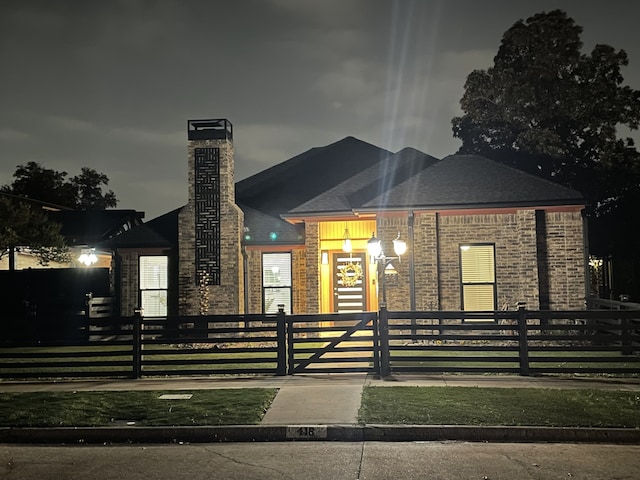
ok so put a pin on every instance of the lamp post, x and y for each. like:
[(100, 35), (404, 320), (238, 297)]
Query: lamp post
[(374, 248)]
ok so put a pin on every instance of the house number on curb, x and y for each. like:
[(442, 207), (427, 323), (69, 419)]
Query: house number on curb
[(310, 433)]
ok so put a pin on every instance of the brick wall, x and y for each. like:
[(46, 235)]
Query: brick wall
[(397, 286), (425, 246), (565, 261), (311, 267), (299, 281), (129, 282), (520, 260), (254, 281)]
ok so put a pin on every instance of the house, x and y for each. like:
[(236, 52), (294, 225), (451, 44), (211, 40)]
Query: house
[(82, 230), (479, 235), (44, 297)]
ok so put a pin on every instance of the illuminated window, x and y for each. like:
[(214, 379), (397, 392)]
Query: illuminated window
[(153, 285), (478, 274), (276, 282)]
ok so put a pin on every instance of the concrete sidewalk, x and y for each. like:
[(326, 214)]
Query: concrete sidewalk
[(323, 407)]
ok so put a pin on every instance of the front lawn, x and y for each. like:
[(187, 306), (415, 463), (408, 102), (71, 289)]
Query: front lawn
[(499, 406), (242, 406)]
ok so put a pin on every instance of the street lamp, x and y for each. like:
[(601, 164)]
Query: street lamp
[(375, 251), (374, 248)]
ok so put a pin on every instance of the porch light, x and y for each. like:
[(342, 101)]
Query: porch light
[(399, 246), (88, 256), (374, 247), (346, 241)]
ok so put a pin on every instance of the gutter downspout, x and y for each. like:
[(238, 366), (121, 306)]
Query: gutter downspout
[(412, 274), (245, 278)]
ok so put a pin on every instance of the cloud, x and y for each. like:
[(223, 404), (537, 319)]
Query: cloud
[(13, 135)]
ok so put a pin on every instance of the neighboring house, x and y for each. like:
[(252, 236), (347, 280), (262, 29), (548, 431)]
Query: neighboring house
[(83, 231), (480, 235), (47, 294)]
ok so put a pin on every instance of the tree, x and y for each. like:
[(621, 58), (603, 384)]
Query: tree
[(22, 225), (82, 192), (88, 189), (547, 108)]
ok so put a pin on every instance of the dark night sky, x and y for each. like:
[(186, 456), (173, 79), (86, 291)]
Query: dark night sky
[(111, 84)]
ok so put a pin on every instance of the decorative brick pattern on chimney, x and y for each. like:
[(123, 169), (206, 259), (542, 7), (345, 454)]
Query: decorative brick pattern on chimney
[(223, 251)]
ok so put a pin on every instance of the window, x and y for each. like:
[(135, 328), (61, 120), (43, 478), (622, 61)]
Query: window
[(153, 285), (276, 282), (478, 273)]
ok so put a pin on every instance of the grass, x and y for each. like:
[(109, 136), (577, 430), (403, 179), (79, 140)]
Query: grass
[(380, 405), (244, 406), (499, 406)]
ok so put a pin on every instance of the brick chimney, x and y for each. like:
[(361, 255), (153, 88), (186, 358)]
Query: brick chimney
[(210, 225)]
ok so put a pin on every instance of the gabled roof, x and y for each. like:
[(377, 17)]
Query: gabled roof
[(87, 227), (295, 181), (367, 184), (471, 181), (161, 232)]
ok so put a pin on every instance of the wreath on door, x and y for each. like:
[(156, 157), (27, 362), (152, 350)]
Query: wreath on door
[(350, 273)]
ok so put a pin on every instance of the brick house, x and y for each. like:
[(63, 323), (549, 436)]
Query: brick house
[(480, 235)]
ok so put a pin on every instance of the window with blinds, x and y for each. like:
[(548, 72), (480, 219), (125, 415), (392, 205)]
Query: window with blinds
[(154, 281), (276, 282), (478, 274)]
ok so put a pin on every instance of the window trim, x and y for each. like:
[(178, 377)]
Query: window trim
[(159, 289), (463, 284), (264, 289)]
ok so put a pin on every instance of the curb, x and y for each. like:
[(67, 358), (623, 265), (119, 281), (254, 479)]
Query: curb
[(345, 433)]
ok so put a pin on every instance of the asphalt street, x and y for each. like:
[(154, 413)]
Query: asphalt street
[(322, 461)]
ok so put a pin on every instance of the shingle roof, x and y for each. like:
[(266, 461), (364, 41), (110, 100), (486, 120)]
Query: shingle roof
[(297, 180), (380, 177), (93, 226), (470, 181), (260, 226), (161, 232)]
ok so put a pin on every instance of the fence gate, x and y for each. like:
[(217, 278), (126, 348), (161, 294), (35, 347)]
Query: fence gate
[(333, 343)]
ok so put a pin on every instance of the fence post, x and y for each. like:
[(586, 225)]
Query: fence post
[(376, 343), (522, 340), (281, 331), (625, 333), (383, 326), (137, 343)]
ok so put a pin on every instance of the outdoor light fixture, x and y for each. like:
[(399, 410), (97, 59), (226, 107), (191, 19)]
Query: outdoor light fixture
[(88, 256), (346, 241), (374, 249), (399, 246), (384, 269)]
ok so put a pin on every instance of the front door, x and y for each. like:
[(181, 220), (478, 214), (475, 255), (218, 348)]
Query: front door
[(349, 282)]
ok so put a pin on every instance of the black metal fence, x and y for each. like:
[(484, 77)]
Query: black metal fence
[(136, 347), (332, 343), (518, 342), (523, 342)]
